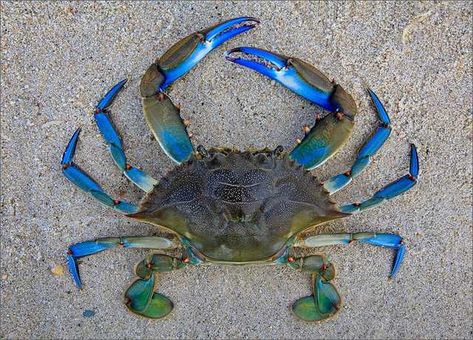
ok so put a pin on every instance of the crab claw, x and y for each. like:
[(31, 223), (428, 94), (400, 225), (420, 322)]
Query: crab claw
[(295, 74), (330, 133), (186, 53)]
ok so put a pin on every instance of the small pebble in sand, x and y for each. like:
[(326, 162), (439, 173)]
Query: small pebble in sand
[(88, 313), (58, 270)]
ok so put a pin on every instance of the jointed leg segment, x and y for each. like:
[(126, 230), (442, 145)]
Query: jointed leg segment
[(80, 178), (113, 140), (140, 297), (390, 191), (366, 152), (391, 241), (87, 248)]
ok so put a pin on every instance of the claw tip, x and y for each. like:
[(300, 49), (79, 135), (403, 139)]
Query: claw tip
[(227, 53)]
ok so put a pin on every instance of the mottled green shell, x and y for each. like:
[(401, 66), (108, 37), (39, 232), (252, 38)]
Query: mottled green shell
[(238, 206)]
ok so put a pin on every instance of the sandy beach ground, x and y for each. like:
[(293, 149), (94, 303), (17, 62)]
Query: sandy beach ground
[(59, 58)]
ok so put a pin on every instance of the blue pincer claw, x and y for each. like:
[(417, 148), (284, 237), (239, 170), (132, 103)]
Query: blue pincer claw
[(295, 74), (186, 53), (226, 30)]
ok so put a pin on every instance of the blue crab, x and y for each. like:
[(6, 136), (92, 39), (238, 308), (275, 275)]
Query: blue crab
[(237, 207)]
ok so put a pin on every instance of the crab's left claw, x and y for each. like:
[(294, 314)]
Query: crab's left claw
[(186, 53), (295, 74), (162, 116), (328, 134)]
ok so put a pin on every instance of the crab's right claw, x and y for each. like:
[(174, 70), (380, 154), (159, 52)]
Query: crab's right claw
[(295, 74), (328, 134), (187, 52)]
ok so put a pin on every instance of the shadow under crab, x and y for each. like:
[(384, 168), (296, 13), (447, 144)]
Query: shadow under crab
[(237, 207)]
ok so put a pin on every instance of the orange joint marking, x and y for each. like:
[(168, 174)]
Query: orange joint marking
[(160, 96), (69, 252), (65, 166), (191, 135), (412, 178), (324, 266), (339, 115), (186, 260), (357, 204), (149, 265), (200, 36), (348, 173), (128, 167), (291, 259), (306, 129), (116, 202), (187, 122)]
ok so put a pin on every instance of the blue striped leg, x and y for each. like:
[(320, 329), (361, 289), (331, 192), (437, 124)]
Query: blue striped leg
[(390, 191), (113, 140), (391, 241), (87, 248), (366, 152), (78, 177)]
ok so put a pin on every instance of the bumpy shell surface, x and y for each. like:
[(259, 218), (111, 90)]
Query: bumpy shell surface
[(238, 206)]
